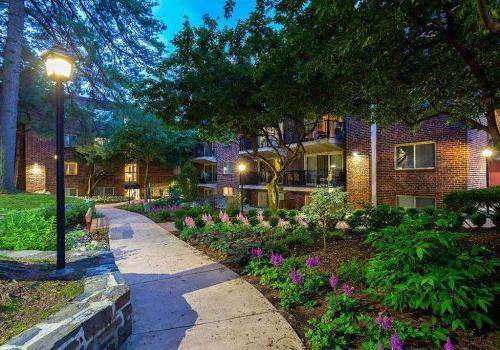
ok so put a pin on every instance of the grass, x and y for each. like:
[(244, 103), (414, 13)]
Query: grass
[(30, 302), (23, 201)]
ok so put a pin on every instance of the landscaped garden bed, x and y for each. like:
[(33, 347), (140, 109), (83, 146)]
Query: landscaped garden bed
[(416, 278)]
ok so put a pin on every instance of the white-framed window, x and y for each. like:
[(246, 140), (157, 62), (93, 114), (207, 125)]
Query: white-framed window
[(228, 168), (227, 191), (71, 192), (421, 155), (262, 199), (69, 140), (418, 202), (104, 191), (70, 168), (131, 172)]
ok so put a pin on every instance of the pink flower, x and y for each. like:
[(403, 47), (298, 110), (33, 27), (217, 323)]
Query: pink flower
[(207, 218), (241, 218), (189, 222), (312, 261), (224, 217), (276, 259), (296, 278), (347, 290), (282, 223), (448, 345), (257, 252), (333, 280), (380, 346), (396, 343), (260, 217)]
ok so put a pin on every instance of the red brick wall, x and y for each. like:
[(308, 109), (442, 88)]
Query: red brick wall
[(358, 167), (227, 153), (477, 141), (451, 171)]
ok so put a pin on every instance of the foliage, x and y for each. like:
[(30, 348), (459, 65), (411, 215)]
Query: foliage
[(136, 208), (159, 215), (423, 265), (252, 213), (233, 206), (274, 220), (75, 212), (23, 200), (282, 213), (375, 217), (328, 206), (299, 237), (478, 219), (27, 229), (267, 213), (188, 181), (471, 201), (354, 271)]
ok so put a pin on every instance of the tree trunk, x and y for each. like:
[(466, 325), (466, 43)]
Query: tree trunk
[(20, 167), (9, 95), (89, 185), (273, 193), (146, 178)]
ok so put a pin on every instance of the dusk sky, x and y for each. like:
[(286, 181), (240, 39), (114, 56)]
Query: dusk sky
[(172, 12)]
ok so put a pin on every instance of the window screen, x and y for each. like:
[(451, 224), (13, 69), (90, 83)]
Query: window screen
[(424, 155)]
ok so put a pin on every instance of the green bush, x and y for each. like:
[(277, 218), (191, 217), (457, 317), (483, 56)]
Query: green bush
[(252, 213), (234, 204), (336, 235), (274, 220), (282, 213), (253, 221), (199, 222), (354, 271), (75, 212), (267, 213), (27, 229), (300, 236), (179, 224), (159, 216), (377, 217), (478, 219), (422, 265), (136, 208), (292, 214), (471, 201), (275, 245), (233, 212)]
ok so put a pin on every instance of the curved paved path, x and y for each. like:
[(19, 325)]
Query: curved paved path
[(182, 299)]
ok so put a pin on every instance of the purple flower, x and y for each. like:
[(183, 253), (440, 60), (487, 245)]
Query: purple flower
[(333, 280), (347, 290), (383, 321), (241, 218), (296, 278), (257, 252), (396, 343), (312, 261), (380, 346), (276, 259), (448, 345)]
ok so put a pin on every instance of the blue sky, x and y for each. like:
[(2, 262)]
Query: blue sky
[(172, 12)]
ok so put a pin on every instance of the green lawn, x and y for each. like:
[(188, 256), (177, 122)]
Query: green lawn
[(21, 201)]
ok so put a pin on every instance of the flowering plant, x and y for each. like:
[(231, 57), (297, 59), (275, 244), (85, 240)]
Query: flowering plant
[(296, 278), (207, 219), (242, 218), (312, 261), (189, 222), (276, 259), (224, 217), (257, 252)]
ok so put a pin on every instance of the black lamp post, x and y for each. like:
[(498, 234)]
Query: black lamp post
[(241, 169), (487, 153), (59, 66), (129, 177)]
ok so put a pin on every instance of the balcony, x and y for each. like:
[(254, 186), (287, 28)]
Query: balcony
[(207, 178), (327, 133), (204, 153), (299, 178)]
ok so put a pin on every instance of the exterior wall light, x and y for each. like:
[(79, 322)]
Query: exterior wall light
[(355, 154), (487, 153), (35, 170)]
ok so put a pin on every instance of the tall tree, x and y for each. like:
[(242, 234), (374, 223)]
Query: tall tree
[(113, 42), (237, 82), (147, 139)]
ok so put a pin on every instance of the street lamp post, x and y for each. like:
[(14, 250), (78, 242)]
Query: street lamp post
[(487, 153), (59, 67), (129, 176), (241, 169)]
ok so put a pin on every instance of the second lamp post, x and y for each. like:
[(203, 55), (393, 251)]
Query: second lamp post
[(241, 169)]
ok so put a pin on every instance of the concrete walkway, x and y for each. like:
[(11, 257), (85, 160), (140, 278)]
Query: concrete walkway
[(182, 299)]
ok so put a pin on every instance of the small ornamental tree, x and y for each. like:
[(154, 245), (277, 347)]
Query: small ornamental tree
[(188, 181), (328, 206)]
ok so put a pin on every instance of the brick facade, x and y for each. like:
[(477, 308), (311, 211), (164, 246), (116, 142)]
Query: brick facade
[(41, 171), (227, 153), (358, 153)]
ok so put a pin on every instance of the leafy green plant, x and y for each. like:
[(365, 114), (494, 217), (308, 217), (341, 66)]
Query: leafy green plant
[(478, 219), (267, 213), (421, 265), (292, 214), (252, 212), (253, 221), (232, 212), (274, 220), (354, 271), (282, 213), (199, 222), (159, 216), (27, 229), (179, 224), (300, 236)]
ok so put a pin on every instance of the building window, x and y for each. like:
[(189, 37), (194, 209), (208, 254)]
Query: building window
[(131, 172), (70, 168), (416, 202), (71, 192), (104, 191), (228, 168), (227, 191), (262, 199), (416, 156), (69, 140)]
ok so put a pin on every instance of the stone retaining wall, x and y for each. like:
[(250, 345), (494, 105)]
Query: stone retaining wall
[(100, 318)]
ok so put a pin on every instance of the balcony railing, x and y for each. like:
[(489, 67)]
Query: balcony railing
[(208, 178), (325, 129), (299, 178), (204, 150)]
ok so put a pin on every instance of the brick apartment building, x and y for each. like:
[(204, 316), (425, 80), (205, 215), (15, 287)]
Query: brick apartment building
[(378, 165)]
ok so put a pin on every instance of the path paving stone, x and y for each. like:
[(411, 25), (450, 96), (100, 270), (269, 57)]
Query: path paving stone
[(182, 299)]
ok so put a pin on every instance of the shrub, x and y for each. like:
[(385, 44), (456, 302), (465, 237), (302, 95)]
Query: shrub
[(274, 220), (199, 222), (300, 236), (282, 213), (253, 221), (275, 245), (336, 235), (292, 214), (267, 213), (252, 213), (188, 181), (136, 208), (377, 217), (478, 219), (470, 201), (357, 219), (179, 224), (233, 212), (159, 216), (75, 211), (27, 229), (234, 204), (421, 265), (354, 271)]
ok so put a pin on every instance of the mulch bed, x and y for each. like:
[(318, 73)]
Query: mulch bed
[(28, 294), (342, 251)]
